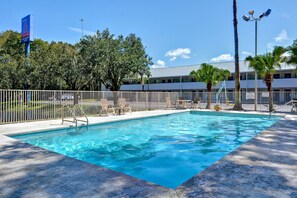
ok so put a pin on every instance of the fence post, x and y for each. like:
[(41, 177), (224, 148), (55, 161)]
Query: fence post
[(54, 99), (158, 100), (146, 100), (136, 100), (260, 102)]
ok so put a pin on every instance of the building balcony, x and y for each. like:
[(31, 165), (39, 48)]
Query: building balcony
[(286, 83)]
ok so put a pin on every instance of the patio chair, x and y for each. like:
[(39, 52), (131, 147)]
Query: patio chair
[(228, 102), (196, 103), (124, 105), (106, 108), (170, 104)]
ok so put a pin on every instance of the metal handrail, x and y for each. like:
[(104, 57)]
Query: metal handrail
[(291, 101), (75, 120), (73, 115), (284, 105), (84, 114)]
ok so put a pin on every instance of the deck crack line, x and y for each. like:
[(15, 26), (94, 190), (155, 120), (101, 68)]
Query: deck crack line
[(177, 193)]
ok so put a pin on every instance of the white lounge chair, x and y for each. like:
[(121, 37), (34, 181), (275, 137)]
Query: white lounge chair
[(106, 107), (170, 104), (122, 104), (195, 104)]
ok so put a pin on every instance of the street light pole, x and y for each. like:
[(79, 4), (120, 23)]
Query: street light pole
[(252, 18), (256, 75)]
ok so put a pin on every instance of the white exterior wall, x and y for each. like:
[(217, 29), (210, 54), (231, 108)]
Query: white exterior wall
[(286, 83)]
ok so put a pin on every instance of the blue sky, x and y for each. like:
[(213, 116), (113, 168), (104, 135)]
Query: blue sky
[(174, 32)]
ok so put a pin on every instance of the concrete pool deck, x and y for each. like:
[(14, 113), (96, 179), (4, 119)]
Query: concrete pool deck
[(265, 166)]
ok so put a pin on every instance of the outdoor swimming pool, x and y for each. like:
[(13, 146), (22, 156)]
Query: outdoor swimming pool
[(166, 150)]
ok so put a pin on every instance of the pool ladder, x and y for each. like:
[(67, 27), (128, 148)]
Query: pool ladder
[(74, 120), (293, 109)]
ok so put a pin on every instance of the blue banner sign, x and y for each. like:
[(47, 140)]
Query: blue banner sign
[(27, 34)]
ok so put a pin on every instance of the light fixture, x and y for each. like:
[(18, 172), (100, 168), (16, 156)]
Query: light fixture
[(251, 12), (267, 13), (246, 17)]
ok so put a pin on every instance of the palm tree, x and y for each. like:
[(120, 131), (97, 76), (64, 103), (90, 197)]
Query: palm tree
[(211, 76), (293, 54), (265, 65), (237, 105)]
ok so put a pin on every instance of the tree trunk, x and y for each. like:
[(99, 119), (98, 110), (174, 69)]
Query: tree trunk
[(75, 97), (237, 105), (116, 96), (208, 106), (268, 81), (270, 101)]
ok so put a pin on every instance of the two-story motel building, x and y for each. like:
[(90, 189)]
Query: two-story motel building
[(179, 79)]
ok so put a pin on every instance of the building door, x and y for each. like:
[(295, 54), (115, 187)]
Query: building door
[(276, 96), (287, 95)]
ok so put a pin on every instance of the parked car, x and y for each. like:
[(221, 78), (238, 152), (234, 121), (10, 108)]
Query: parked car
[(52, 98), (67, 97)]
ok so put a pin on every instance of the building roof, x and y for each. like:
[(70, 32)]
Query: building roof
[(185, 70)]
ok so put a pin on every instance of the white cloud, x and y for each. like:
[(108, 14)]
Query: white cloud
[(173, 58), (282, 37), (159, 64), (222, 58), (245, 53), (79, 30), (286, 15), (270, 46), (179, 52)]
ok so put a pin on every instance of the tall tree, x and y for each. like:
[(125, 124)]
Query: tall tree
[(8, 73), (293, 53), (101, 58), (113, 59), (237, 105), (12, 60), (265, 65), (212, 76)]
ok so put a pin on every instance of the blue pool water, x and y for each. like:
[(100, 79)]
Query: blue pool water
[(166, 150)]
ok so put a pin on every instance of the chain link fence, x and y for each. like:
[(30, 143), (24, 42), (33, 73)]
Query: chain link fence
[(30, 105)]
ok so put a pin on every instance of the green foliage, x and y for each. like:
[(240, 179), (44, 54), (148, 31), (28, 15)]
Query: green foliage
[(110, 60), (101, 58), (11, 60), (210, 74), (267, 64), (293, 54)]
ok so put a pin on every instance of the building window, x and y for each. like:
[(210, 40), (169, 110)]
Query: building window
[(230, 78), (243, 77), (251, 77), (163, 81), (186, 79), (276, 76), (169, 81), (287, 75), (176, 80)]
